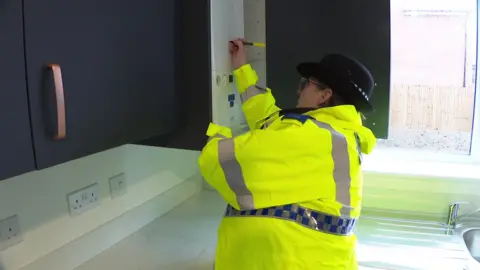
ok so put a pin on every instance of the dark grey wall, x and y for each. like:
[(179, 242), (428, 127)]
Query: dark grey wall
[(305, 30)]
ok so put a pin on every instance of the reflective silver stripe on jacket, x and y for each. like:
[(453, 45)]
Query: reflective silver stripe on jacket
[(233, 174), (251, 92), (341, 173), (341, 167)]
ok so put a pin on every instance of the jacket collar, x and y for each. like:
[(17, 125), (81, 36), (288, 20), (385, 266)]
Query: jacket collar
[(346, 117), (346, 113), (343, 113)]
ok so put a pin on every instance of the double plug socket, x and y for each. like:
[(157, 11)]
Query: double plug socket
[(84, 199)]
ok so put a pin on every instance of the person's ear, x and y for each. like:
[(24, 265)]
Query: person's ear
[(324, 96)]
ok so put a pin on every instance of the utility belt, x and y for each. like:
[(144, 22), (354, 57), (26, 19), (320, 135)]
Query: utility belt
[(311, 219)]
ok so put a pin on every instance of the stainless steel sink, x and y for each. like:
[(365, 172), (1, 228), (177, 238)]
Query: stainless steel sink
[(471, 238)]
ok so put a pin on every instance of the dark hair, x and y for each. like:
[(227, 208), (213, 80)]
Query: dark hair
[(335, 99)]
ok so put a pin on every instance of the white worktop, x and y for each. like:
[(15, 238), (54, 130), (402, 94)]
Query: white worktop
[(185, 238)]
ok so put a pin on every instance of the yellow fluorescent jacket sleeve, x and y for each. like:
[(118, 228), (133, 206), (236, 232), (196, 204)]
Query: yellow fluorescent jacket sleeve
[(215, 130), (257, 103), (264, 168)]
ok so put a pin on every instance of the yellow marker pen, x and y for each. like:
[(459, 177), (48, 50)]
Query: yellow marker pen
[(255, 44)]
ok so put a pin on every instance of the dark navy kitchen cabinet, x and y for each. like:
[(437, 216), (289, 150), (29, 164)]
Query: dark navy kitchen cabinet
[(117, 70), (80, 77), (16, 150)]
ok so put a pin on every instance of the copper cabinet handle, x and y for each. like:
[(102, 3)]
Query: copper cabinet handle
[(61, 131)]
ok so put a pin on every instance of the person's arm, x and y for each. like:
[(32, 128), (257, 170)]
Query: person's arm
[(263, 168), (257, 102)]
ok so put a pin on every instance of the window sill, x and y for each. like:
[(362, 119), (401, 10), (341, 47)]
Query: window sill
[(420, 163)]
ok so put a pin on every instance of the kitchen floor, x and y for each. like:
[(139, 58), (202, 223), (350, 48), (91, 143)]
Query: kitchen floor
[(185, 238)]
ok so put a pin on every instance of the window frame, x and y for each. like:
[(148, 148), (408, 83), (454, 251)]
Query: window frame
[(475, 143)]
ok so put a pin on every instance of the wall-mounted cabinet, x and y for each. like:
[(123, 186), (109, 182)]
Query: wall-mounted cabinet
[(80, 77), (16, 155), (192, 77)]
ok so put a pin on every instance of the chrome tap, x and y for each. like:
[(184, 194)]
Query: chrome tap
[(454, 217)]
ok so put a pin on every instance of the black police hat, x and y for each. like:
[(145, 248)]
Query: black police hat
[(347, 77)]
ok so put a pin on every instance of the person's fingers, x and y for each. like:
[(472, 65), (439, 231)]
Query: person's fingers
[(232, 47), (239, 43)]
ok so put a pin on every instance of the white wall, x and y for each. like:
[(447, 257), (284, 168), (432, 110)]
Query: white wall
[(226, 24), (157, 180), (255, 31)]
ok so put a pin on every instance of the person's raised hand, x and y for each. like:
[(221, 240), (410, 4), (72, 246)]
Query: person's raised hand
[(238, 53)]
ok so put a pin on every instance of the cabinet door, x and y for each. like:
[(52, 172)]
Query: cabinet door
[(193, 77), (305, 30), (117, 66), (16, 155)]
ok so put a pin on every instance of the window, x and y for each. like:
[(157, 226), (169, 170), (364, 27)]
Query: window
[(422, 54), (433, 77)]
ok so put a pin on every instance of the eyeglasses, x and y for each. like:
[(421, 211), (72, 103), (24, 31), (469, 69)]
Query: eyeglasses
[(304, 82)]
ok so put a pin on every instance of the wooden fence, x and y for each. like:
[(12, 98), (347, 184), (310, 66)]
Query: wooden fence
[(440, 108)]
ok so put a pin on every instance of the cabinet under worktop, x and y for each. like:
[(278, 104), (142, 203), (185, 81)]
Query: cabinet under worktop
[(185, 239)]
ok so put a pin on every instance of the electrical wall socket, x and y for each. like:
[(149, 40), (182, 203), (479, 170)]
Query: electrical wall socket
[(10, 233), (84, 199), (118, 185)]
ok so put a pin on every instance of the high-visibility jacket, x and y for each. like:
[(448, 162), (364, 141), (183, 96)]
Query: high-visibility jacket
[(293, 184)]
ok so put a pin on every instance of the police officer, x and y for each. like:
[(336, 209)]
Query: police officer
[(293, 183)]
